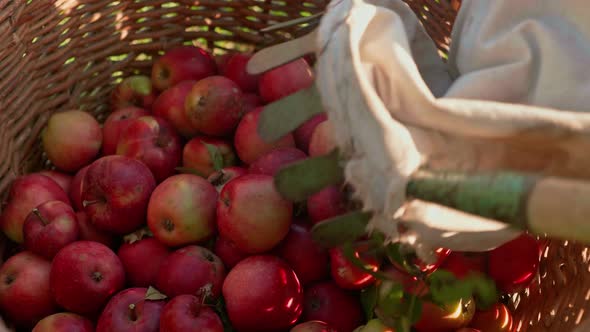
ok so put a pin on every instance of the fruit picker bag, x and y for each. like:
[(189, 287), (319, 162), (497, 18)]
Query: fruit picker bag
[(499, 130)]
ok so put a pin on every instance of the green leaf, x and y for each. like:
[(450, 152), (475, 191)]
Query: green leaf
[(287, 114), (484, 291), (304, 178), (414, 308), (369, 301), (154, 294), (339, 230), (389, 300), (445, 288), (395, 253), (215, 155), (350, 253)]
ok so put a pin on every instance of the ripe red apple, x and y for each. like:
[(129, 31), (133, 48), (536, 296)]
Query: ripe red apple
[(64, 180), (64, 322), (220, 178), (250, 102), (116, 192), (262, 293), (273, 161), (89, 232), (331, 304), (461, 264), (115, 124), (25, 297), (227, 251), (187, 313), (322, 140), (26, 193), (285, 80), (515, 264), (76, 189), (170, 106), (303, 134), (312, 326), (235, 69), (308, 259), (141, 260), (130, 311), (154, 142), (84, 275), (450, 317), (249, 145), (496, 319), (326, 203), (206, 154), (135, 91), (214, 106), (50, 227), (182, 63), (253, 231), (71, 139), (347, 275), (182, 210), (191, 270)]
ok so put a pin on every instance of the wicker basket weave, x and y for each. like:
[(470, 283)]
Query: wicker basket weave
[(65, 54)]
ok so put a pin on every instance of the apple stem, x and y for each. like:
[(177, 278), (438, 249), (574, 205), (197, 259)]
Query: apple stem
[(85, 203), (40, 216), (132, 313), (218, 178)]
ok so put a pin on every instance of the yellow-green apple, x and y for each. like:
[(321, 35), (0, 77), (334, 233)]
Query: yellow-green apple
[(25, 296), (170, 106), (235, 69), (285, 80), (248, 143), (253, 232), (130, 311), (304, 132), (136, 90), (116, 192), (90, 232), (71, 139), (219, 178), (312, 326), (188, 313), (182, 63), (64, 180), (84, 275), (64, 322), (206, 155), (333, 305), (75, 192), (262, 293), (276, 159), (214, 106), (181, 210), (322, 140), (153, 141), (50, 227), (26, 193), (115, 124), (142, 259)]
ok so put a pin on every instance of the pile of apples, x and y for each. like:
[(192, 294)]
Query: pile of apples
[(166, 218)]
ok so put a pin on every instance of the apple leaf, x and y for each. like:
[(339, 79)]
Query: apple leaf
[(188, 170), (281, 117), (397, 308), (215, 155), (445, 288), (339, 230), (395, 253), (368, 299), (301, 179), (219, 308), (153, 294)]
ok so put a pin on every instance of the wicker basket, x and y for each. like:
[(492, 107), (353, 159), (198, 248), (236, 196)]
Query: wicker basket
[(64, 54)]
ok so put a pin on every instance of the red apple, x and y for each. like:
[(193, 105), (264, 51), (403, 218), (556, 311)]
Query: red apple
[(89, 232), (206, 155), (326, 203), (182, 63), (250, 102), (116, 192), (170, 106), (347, 275), (76, 189), (84, 275), (312, 326), (141, 260), (308, 259), (249, 145), (235, 69), (303, 134), (135, 91), (262, 293), (285, 80), (154, 142), (182, 210), (214, 106), (25, 297), (331, 304), (64, 322), (220, 178), (496, 319), (191, 270), (71, 139), (221, 61), (450, 317), (515, 264), (227, 251), (64, 180), (273, 161), (26, 193), (427, 268), (253, 231), (115, 124), (50, 227), (322, 140), (187, 313), (130, 311), (461, 264)]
